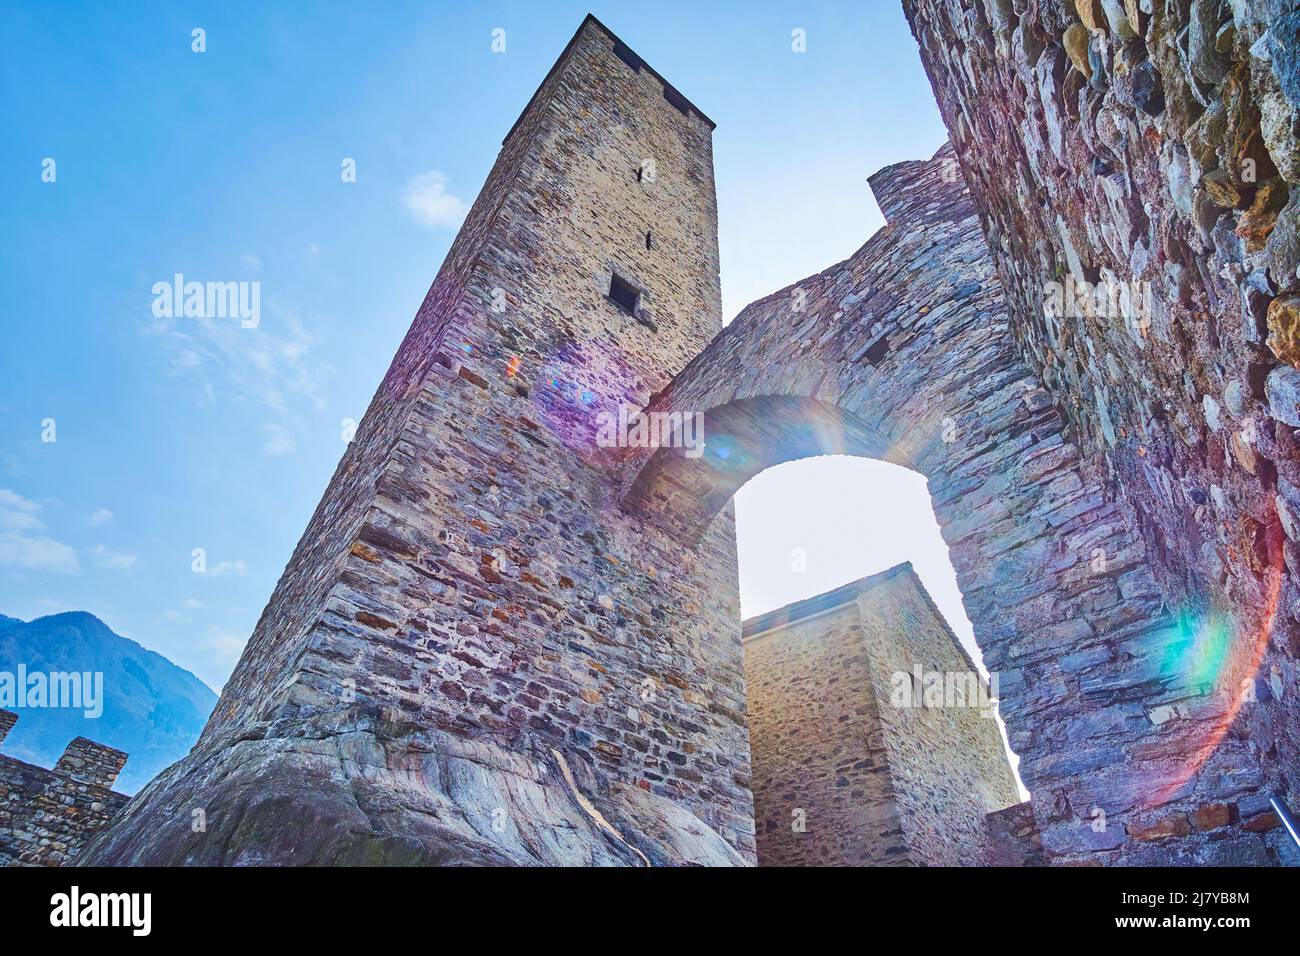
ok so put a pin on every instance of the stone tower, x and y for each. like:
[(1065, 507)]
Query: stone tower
[(861, 753), (474, 655)]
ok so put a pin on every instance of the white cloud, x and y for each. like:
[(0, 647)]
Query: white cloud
[(427, 201), (20, 548), (238, 568), (251, 261), (36, 553), (101, 516), (276, 440), (111, 560), (17, 513), (272, 365), (226, 647)]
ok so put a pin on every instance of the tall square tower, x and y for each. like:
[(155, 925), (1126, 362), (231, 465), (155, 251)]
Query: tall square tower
[(474, 655)]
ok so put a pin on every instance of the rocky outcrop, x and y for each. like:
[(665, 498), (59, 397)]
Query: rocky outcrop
[(358, 789)]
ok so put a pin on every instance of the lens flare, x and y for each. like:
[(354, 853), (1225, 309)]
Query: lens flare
[(1208, 661)]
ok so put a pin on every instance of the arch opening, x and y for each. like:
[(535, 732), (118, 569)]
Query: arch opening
[(824, 664)]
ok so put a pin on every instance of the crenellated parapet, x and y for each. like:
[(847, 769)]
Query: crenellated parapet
[(47, 815)]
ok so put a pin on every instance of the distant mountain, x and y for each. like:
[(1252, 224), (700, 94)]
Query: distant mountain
[(152, 709)]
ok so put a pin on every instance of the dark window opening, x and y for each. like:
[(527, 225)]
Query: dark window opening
[(878, 350), (648, 239), (624, 53), (677, 100), (623, 295), (639, 173)]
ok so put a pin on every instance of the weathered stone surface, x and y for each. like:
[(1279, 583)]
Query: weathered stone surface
[(1174, 825), (1284, 328), (354, 789), (1176, 400), (1211, 816), (1013, 838), (1261, 218), (1076, 45)]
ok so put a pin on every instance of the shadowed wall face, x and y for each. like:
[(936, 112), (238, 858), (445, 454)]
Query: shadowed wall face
[(1136, 169), (852, 765)]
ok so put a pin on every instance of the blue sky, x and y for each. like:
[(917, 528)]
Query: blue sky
[(173, 435)]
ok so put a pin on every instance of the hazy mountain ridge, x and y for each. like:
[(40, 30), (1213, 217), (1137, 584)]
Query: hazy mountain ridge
[(152, 709)]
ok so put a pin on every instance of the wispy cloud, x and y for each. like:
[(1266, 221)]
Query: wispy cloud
[(221, 568), (101, 516), (272, 366), (226, 647), (427, 201), (111, 560), (277, 440), (21, 544)]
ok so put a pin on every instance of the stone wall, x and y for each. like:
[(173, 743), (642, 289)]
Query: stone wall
[(822, 794), (474, 655), (1012, 838), (846, 771), (47, 815), (905, 352), (947, 759), (1150, 146)]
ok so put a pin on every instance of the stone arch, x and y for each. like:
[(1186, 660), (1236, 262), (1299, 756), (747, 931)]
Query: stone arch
[(744, 437), (904, 352)]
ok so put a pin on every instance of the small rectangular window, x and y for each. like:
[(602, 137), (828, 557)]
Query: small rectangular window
[(623, 295)]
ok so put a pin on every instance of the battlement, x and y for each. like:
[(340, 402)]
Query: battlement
[(91, 762), (47, 815), (919, 189)]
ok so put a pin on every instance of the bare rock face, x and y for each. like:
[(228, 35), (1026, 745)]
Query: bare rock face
[(358, 790), (1168, 171)]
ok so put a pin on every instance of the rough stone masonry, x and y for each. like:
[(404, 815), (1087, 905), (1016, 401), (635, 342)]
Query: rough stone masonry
[(1151, 146), (46, 815), (499, 642), (850, 767)]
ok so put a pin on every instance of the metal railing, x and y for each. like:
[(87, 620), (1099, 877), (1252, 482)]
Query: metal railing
[(1284, 814)]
